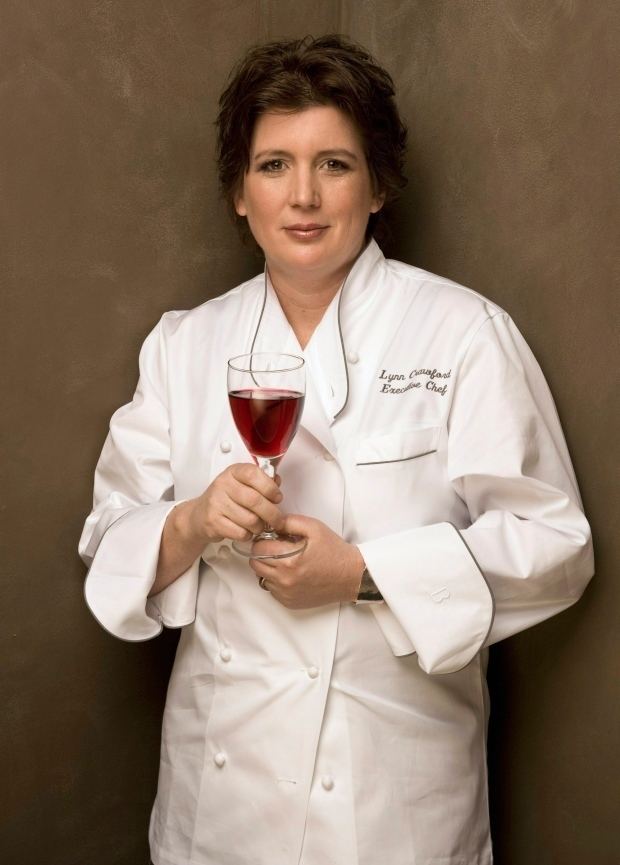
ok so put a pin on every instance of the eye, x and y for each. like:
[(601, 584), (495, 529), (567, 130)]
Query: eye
[(336, 166), (271, 166)]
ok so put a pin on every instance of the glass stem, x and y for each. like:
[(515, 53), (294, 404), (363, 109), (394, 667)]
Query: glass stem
[(266, 464), (269, 467)]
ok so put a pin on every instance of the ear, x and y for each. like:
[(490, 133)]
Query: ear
[(240, 207), (378, 200)]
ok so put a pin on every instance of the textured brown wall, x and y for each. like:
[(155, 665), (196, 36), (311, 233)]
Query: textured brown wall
[(513, 113), (109, 215)]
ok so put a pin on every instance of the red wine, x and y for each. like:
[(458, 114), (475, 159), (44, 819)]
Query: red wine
[(266, 419)]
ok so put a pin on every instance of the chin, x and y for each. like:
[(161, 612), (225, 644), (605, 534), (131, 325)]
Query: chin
[(306, 259)]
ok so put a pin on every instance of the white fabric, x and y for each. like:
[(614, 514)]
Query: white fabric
[(429, 438)]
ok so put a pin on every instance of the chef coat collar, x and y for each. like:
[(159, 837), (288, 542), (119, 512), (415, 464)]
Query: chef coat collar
[(358, 286), (274, 333), (328, 342)]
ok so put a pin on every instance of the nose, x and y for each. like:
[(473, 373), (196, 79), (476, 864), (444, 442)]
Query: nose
[(304, 189)]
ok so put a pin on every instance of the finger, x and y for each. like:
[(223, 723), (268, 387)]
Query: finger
[(251, 476), (252, 500), (262, 568), (233, 532), (297, 524), (242, 517)]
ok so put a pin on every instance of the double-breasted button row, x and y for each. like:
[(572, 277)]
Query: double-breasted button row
[(226, 655), (219, 758)]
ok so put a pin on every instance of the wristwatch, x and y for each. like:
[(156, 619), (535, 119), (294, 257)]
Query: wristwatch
[(368, 592)]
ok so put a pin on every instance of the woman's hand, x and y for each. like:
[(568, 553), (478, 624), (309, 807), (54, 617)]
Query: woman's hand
[(236, 505), (328, 571)]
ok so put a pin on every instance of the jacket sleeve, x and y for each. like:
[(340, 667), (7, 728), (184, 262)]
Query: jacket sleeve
[(527, 553), (134, 492)]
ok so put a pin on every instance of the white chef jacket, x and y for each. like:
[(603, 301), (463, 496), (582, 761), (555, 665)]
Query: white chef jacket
[(341, 735)]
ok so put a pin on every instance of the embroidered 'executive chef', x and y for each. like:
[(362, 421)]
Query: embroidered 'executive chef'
[(416, 378)]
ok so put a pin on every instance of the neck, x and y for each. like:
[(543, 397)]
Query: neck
[(304, 302)]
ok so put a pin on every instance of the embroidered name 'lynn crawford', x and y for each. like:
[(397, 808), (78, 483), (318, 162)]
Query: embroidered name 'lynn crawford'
[(416, 378)]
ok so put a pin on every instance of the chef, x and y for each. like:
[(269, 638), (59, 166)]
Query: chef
[(331, 708)]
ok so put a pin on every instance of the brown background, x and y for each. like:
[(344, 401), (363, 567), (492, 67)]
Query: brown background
[(109, 215)]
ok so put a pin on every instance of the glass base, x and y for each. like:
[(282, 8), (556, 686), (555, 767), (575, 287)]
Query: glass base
[(271, 545)]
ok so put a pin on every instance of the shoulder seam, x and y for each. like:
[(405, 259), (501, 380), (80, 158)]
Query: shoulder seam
[(425, 276)]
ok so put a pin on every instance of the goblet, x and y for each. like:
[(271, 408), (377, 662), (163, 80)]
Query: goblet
[(266, 392)]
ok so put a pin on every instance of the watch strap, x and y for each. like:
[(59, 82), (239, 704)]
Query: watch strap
[(368, 591)]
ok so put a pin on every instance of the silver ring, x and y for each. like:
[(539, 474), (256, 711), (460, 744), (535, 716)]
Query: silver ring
[(261, 583)]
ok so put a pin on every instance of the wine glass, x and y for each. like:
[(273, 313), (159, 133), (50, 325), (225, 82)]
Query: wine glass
[(266, 391)]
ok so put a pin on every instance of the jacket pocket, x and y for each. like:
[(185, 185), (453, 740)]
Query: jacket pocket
[(398, 446)]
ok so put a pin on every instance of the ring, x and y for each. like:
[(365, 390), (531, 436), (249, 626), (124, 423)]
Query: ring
[(261, 583)]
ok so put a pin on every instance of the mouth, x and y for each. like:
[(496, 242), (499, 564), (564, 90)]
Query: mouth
[(305, 230)]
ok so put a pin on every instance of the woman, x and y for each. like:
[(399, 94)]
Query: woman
[(429, 475)]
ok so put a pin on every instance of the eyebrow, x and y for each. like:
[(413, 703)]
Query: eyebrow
[(278, 154)]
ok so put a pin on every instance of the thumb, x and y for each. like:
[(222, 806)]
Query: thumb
[(297, 524)]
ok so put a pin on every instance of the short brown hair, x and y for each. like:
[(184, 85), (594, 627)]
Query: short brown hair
[(295, 75)]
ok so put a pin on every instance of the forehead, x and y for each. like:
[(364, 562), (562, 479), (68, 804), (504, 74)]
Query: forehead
[(323, 126)]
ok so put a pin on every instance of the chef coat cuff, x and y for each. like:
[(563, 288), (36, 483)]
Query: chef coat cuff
[(436, 592), (123, 571)]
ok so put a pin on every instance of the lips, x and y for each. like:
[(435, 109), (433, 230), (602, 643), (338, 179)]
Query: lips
[(305, 230)]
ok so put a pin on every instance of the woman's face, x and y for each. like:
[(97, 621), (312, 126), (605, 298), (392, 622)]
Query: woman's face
[(307, 194)]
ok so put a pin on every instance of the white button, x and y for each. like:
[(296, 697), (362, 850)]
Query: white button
[(328, 782), (224, 552), (353, 357), (313, 672), (225, 447), (329, 458), (219, 759), (225, 654)]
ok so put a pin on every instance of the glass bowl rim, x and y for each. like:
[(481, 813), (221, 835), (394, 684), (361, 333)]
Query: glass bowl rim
[(258, 354)]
